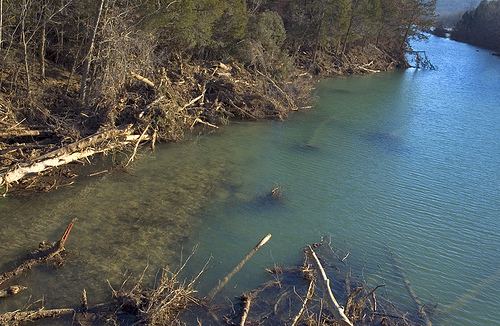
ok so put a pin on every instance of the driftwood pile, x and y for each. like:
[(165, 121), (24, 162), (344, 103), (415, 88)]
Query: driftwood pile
[(313, 294), (38, 135), (292, 297)]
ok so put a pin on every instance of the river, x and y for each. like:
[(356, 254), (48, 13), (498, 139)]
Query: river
[(405, 160)]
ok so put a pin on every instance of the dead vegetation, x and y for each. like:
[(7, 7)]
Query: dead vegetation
[(132, 88), (137, 90), (72, 70), (321, 291), (305, 296), (139, 106)]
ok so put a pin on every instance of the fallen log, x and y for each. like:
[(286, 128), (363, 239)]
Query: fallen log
[(42, 255), (15, 317), (26, 133), (335, 308), (97, 143)]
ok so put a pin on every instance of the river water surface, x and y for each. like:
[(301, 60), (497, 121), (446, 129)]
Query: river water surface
[(406, 160)]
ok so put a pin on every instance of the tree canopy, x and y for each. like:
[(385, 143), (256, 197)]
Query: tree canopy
[(201, 25)]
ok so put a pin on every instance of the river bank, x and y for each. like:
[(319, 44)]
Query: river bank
[(46, 127), (382, 161)]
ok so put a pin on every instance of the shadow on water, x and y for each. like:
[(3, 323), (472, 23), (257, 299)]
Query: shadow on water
[(305, 147), (388, 142), (339, 91)]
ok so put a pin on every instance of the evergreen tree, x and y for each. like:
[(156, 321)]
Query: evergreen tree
[(415, 17), (480, 26)]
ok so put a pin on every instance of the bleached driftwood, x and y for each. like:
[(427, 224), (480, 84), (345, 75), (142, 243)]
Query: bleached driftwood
[(97, 143), (26, 133), (310, 292), (335, 308), (143, 79), (247, 299), (137, 146), (222, 283)]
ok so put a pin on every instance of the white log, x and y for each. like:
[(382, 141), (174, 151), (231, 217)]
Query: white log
[(335, 308), (98, 143)]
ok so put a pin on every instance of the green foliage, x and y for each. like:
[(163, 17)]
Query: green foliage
[(268, 29), (371, 17), (266, 36), (187, 24), (174, 23), (262, 47), (230, 26), (415, 16), (364, 21), (318, 23)]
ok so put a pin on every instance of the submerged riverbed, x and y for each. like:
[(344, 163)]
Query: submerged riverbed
[(406, 160)]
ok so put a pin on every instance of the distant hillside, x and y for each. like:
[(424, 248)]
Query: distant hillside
[(481, 26), (444, 7)]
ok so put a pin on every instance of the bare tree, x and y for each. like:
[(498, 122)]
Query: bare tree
[(43, 13), (24, 14), (88, 57)]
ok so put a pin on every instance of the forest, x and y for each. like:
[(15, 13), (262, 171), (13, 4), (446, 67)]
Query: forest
[(480, 26), (78, 78), (84, 77)]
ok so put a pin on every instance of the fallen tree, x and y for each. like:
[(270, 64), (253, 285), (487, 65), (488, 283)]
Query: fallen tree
[(98, 143), (328, 296), (161, 106), (46, 252)]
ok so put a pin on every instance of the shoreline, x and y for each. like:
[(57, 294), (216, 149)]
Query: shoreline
[(187, 94)]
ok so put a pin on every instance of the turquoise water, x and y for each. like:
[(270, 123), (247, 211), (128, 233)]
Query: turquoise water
[(406, 160)]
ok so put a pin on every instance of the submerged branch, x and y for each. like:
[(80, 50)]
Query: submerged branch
[(42, 255), (411, 292), (215, 290), (14, 318), (335, 308)]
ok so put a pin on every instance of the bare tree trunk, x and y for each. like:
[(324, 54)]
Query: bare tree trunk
[(25, 46), (351, 20), (346, 36), (88, 57), (43, 39)]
